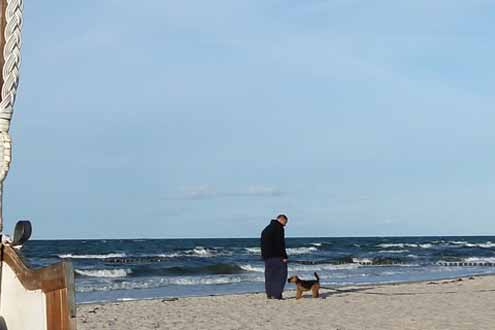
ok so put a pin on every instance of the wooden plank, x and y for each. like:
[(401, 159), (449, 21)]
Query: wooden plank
[(52, 310), (47, 279), (58, 311), (49, 310)]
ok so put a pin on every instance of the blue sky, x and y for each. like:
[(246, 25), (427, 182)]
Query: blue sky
[(207, 118)]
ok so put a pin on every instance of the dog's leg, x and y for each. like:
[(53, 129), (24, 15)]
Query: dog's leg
[(316, 291), (298, 293)]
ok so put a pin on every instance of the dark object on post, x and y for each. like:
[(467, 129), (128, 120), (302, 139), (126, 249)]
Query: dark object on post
[(22, 233)]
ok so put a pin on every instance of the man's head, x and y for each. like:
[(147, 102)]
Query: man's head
[(282, 218)]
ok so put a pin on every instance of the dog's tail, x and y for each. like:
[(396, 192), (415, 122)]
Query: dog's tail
[(317, 277)]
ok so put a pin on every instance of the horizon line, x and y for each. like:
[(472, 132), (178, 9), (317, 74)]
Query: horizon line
[(239, 237)]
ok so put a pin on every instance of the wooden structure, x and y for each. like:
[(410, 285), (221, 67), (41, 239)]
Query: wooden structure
[(41, 299)]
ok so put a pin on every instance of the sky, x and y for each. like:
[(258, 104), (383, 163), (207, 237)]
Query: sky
[(187, 118)]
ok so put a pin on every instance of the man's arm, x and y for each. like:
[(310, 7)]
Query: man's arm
[(264, 243), (284, 252)]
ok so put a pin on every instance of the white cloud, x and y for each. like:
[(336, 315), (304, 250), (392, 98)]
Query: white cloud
[(199, 192), (208, 192)]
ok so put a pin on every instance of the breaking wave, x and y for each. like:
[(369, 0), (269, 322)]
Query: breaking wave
[(253, 250), (250, 268), (201, 252), (197, 252), (302, 268), (405, 245), (162, 282), (301, 250), (480, 260), (321, 267), (290, 251), (438, 244), (362, 261), (106, 273), (486, 245)]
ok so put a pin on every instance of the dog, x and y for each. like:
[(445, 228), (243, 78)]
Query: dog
[(302, 286)]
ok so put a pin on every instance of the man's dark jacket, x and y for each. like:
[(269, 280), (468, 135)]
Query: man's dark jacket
[(273, 241)]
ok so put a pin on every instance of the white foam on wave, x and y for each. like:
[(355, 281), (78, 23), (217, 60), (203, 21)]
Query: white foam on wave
[(486, 245), (92, 256), (166, 255), (321, 267), (107, 273), (362, 261), (461, 243), (290, 251), (393, 251), (480, 259), (253, 250), (303, 268), (250, 268), (198, 251), (204, 281), (405, 245), (157, 255), (301, 250), (396, 245), (202, 252), (317, 244), (158, 282)]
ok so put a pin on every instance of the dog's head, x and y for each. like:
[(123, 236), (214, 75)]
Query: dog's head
[(293, 279)]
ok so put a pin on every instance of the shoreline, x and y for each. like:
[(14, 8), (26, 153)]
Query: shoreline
[(287, 290), (468, 303)]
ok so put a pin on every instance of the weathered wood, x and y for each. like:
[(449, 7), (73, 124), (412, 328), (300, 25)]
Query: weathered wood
[(46, 279), (58, 310), (57, 283)]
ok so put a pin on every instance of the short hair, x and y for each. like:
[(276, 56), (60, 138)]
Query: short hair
[(282, 216)]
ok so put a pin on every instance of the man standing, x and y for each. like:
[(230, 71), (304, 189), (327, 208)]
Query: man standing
[(275, 257)]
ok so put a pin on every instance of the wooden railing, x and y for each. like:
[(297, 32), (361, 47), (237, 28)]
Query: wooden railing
[(55, 281)]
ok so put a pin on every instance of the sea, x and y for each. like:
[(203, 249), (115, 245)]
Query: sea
[(118, 270)]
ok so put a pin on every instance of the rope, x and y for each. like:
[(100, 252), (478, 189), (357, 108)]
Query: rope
[(10, 74)]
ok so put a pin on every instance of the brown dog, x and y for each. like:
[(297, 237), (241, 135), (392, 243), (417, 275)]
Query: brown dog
[(302, 286)]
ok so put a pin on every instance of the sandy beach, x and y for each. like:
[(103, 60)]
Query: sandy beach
[(467, 303)]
